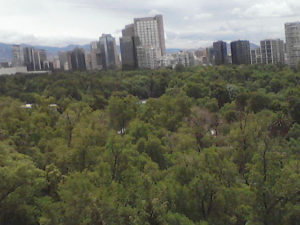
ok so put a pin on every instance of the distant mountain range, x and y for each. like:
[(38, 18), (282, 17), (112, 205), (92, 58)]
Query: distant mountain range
[(173, 50), (5, 52), (253, 46)]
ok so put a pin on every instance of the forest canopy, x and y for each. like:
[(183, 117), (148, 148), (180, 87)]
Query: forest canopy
[(202, 146)]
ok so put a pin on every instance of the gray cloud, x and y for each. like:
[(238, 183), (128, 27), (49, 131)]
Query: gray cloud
[(189, 23)]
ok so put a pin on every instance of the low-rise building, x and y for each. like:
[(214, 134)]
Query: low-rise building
[(13, 70)]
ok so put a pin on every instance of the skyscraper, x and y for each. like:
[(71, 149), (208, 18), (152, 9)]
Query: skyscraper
[(240, 52), (29, 58), (292, 34), (272, 51), (37, 60), (150, 31), (220, 51), (96, 56), (33, 58), (78, 59), (43, 58), (65, 60), (110, 56), (128, 46), (18, 55), (209, 52), (150, 40), (88, 60)]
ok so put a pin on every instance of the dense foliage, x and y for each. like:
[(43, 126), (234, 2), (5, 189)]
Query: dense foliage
[(204, 146)]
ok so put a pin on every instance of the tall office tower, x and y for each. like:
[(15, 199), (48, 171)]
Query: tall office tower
[(272, 51), (68, 65), (150, 31), (78, 59), (64, 59), (256, 56), (34, 58), (43, 58), (96, 60), (150, 36), (108, 48), (192, 58), (128, 46), (240, 52), (29, 58), (128, 31), (18, 55), (210, 55), (220, 51), (37, 60), (88, 60), (292, 35)]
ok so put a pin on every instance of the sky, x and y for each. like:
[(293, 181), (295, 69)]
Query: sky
[(187, 23)]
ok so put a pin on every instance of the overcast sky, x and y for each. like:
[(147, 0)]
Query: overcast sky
[(188, 23)]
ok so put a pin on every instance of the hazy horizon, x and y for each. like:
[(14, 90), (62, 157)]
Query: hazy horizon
[(188, 24)]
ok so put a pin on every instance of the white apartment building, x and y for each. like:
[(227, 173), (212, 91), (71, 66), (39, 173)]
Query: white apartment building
[(292, 34), (150, 31), (150, 41), (272, 51), (18, 55)]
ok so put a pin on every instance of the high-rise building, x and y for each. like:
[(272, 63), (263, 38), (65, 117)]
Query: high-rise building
[(34, 58), (192, 58), (128, 53), (256, 56), (292, 35), (128, 31), (29, 58), (148, 57), (220, 51), (18, 55), (210, 55), (96, 57), (37, 60), (240, 52), (43, 58), (143, 43), (128, 44), (108, 48), (150, 31), (78, 59), (272, 51), (88, 60), (149, 40), (65, 60)]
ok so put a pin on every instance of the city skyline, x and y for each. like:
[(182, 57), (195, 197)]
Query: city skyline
[(187, 25)]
